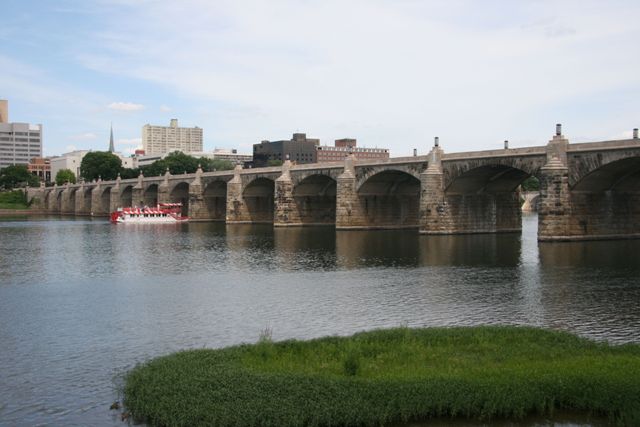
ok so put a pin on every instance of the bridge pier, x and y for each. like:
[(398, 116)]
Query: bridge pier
[(163, 189), (464, 210), (137, 192), (80, 202), (197, 207), (96, 200), (349, 212), (53, 204), (602, 202), (65, 201), (115, 201), (285, 208), (237, 212)]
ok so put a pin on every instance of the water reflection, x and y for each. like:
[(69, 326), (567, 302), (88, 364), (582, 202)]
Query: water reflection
[(82, 300)]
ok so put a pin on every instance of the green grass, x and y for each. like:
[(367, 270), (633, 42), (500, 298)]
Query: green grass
[(389, 376), (13, 200)]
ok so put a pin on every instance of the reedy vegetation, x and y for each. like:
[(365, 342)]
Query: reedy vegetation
[(388, 376)]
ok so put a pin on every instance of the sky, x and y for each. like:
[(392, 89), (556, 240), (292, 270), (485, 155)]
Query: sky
[(391, 73)]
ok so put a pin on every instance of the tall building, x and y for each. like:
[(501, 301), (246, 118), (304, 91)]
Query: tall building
[(300, 149), (165, 139), (19, 142), (345, 146), (4, 111)]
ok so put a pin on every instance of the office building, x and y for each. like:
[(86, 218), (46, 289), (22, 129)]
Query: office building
[(166, 139), (69, 161), (299, 149), (346, 146), (19, 142), (40, 167)]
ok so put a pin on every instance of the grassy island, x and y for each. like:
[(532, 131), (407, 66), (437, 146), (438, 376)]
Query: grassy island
[(389, 376)]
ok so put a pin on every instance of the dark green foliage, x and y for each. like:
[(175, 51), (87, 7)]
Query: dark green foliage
[(65, 175), (389, 376), (100, 164), (179, 163), (127, 173), (273, 162), (15, 176), (210, 165), (531, 184), (13, 200)]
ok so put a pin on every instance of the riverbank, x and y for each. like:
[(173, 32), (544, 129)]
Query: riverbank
[(390, 376)]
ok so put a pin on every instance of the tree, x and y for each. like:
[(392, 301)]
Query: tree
[(65, 175), (100, 164), (531, 184), (274, 162), (17, 176), (128, 173), (210, 165)]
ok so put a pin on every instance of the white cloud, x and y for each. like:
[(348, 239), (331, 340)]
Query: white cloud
[(125, 106), (388, 73)]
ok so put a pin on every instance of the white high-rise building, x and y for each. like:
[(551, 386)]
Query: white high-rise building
[(166, 139), (19, 142)]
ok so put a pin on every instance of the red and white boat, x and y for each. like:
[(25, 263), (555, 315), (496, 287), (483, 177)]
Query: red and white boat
[(161, 214)]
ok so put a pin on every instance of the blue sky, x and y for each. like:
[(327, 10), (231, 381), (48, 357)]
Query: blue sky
[(389, 73)]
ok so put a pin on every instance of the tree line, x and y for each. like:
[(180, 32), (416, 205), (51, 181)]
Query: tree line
[(106, 166)]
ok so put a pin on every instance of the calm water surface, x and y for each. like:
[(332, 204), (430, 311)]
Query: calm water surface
[(82, 301)]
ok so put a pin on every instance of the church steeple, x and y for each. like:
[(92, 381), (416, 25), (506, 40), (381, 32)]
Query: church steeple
[(111, 147)]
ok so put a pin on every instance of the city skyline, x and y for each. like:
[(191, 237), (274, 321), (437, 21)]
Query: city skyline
[(389, 74)]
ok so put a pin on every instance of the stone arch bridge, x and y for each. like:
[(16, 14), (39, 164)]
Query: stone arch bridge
[(587, 191)]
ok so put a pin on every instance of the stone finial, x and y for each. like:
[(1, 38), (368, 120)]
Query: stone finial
[(436, 142), (99, 178), (635, 133), (42, 184), (286, 166), (415, 152), (118, 178), (558, 129), (236, 174), (506, 144), (197, 180), (286, 157), (349, 165), (435, 161)]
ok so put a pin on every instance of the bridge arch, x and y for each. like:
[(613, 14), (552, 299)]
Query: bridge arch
[(390, 198), (215, 199), (315, 199), (180, 194), (620, 175), (71, 203), (58, 201), (258, 198), (364, 173), (126, 196), (150, 195), (490, 178), (105, 201), (86, 202)]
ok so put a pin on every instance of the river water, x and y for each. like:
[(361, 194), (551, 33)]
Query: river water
[(82, 301)]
